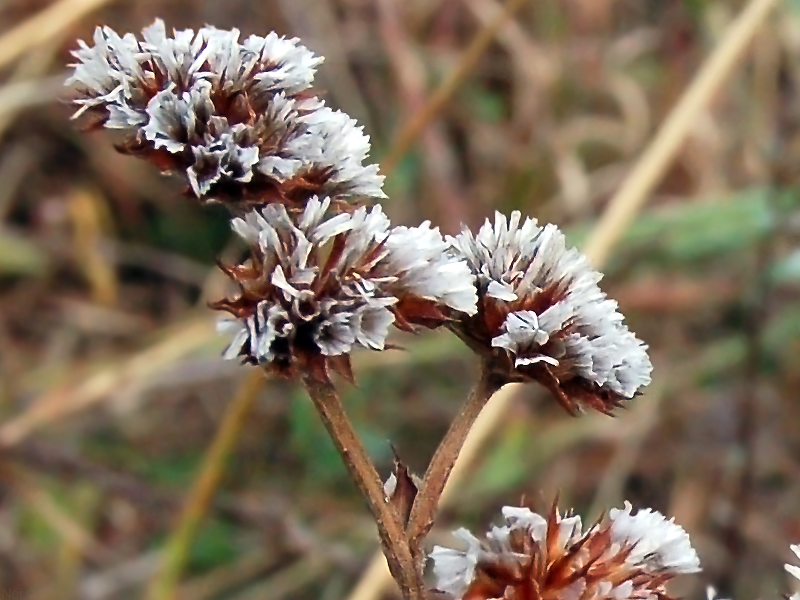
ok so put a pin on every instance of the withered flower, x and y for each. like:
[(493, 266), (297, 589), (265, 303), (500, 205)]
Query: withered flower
[(236, 117), (316, 286), (794, 570), (541, 316), (627, 556)]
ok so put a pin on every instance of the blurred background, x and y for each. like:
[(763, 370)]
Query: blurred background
[(112, 389)]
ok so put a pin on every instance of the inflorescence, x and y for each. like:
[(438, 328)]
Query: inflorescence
[(315, 288), (323, 274), (627, 556), (239, 120), (542, 316)]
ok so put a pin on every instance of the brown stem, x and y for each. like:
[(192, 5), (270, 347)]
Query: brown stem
[(403, 567), (430, 491)]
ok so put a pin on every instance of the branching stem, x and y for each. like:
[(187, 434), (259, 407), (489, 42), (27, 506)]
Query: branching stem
[(405, 569), (430, 492)]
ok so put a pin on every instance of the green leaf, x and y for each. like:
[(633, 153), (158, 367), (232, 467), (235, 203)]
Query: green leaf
[(686, 233)]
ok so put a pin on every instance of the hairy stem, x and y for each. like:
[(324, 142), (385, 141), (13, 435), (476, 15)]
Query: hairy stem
[(430, 492), (403, 567)]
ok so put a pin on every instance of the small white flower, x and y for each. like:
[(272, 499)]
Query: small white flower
[(419, 256), (658, 544), (711, 593), (455, 569), (794, 570)]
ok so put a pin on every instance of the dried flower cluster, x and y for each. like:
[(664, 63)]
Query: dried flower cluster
[(236, 117), (542, 316), (314, 289), (537, 558), (322, 276)]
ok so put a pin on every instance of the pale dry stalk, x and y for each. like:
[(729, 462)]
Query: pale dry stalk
[(176, 552), (43, 27)]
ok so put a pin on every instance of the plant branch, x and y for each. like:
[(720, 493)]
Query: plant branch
[(620, 211), (405, 570), (438, 472)]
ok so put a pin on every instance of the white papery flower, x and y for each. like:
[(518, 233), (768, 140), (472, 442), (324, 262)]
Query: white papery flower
[(235, 116), (657, 543), (455, 569), (544, 316), (333, 139), (318, 286), (794, 570), (420, 255), (555, 557)]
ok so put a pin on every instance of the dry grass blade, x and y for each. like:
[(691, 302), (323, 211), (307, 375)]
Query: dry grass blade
[(43, 504), (411, 130), (60, 403), (649, 169), (617, 217), (204, 487), (43, 26)]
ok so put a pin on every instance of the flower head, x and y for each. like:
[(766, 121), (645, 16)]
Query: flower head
[(542, 316), (316, 286), (237, 117), (533, 557)]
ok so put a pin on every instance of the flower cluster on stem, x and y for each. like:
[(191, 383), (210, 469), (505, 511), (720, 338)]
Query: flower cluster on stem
[(541, 315), (324, 273), (236, 118), (534, 557)]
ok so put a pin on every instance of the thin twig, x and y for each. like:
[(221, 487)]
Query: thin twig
[(441, 465), (361, 469), (412, 129), (205, 485), (619, 213)]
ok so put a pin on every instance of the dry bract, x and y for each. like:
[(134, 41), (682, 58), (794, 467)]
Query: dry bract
[(536, 558), (541, 316)]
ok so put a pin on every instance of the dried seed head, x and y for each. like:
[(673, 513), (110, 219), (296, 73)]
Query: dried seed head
[(236, 117), (541, 315), (316, 286), (794, 570), (538, 558)]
